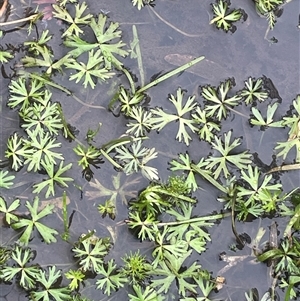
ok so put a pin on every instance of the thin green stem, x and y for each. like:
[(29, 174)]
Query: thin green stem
[(208, 178), (196, 219), (170, 74)]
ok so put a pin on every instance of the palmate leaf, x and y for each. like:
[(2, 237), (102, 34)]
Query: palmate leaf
[(35, 46), (76, 277), (80, 46), (265, 122), (49, 288), (111, 279), (145, 294), (221, 102), (264, 6), (136, 158), (42, 116), (79, 19), (171, 269), (208, 127), (106, 36), (222, 17), (46, 232), (55, 176), (25, 273), (160, 118), (219, 164), (294, 133), (176, 246), (93, 69), (41, 144), (183, 163), (141, 123), (255, 182), (5, 179), (144, 226), (253, 91), (206, 286), (17, 150), (9, 216), (88, 155), (91, 252), (128, 101), (185, 214), (44, 61), (23, 92)]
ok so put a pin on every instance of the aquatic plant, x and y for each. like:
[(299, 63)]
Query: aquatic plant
[(163, 214), (223, 18)]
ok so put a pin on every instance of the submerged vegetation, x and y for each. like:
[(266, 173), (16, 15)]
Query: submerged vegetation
[(164, 215)]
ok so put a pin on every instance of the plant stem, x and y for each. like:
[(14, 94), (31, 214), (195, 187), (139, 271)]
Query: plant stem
[(196, 219), (171, 73)]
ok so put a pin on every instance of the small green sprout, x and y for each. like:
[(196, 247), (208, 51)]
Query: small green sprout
[(136, 267)]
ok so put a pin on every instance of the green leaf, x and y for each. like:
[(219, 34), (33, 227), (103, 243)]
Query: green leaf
[(41, 144), (205, 285), (253, 91), (136, 158), (29, 224), (25, 273), (54, 177), (17, 150), (264, 6), (294, 133), (219, 164), (5, 56), (23, 92), (128, 101), (88, 154), (141, 123), (80, 46), (146, 294), (44, 61), (49, 288), (136, 267), (255, 182), (9, 216), (184, 164), (221, 103), (5, 179), (79, 19), (185, 214), (176, 246), (160, 119), (171, 270), (144, 225), (91, 252), (42, 116), (36, 46), (93, 69), (261, 121), (208, 127), (223, 17), (106, 36), (76, 277), (111, 279)]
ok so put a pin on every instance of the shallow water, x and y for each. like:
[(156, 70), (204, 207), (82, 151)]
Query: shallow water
[(240, 55)]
